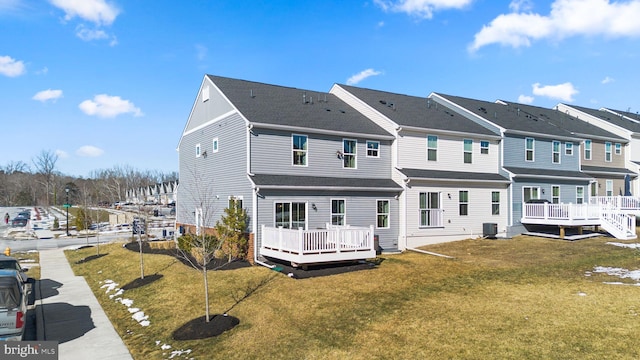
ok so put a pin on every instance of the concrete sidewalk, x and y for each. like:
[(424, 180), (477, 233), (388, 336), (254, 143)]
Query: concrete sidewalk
[(69, 313)]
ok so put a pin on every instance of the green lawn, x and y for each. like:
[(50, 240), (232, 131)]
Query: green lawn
[(524, 298)]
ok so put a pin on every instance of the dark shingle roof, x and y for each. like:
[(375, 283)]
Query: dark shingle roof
[(613, 172), (415, 111), (546, 173), (613, 118), (319, 182), (422, 174), (567, 122), (279, 105)]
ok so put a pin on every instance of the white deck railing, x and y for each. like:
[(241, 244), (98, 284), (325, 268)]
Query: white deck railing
[(337, 243), (567, 212), (618, 202)]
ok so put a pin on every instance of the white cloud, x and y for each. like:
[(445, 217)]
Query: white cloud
[(607, 80), (521, 5), (421, 8), (89, 151), (62, 154), (525, 99), (107, 106), (201, 52), (98, 12), (11, 67), (355, 79), (46, 95), (563, 91), (87, 34), (567, 18)]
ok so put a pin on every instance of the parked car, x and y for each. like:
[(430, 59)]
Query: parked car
[(11, 263), (19, 222), (13, 305)]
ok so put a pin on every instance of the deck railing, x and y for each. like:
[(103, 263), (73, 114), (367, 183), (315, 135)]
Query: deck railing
[(333, 240), (618, 202), (561, 211)]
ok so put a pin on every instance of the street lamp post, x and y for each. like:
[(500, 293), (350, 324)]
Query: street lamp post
[(66, 205)]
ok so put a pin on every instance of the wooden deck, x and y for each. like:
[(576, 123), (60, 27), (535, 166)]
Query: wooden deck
[(303, 247)]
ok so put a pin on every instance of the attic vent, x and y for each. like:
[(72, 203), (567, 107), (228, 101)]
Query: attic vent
[(252, 94), (428, 103), (383, 102), (483, 110), (342, 111)]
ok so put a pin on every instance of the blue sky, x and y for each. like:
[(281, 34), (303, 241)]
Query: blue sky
[(111, 83)]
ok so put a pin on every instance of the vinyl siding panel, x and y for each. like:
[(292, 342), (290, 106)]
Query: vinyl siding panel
[(598, 156), (205, 111), (412, 153), (212, 179), (514, 154), (455, 227), (271, 153)]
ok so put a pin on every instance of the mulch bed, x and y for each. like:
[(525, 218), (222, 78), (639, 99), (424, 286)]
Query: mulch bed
[(138, 282), (198, 328)]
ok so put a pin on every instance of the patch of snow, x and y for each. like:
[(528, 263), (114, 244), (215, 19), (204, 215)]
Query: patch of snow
[(175, 353), (165, 347), (630, 246), (126, 302), (144, 323), (133, 310), (582, 294), (140, 316), (619, 272)]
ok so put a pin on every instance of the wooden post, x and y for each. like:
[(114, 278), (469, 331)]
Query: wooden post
[(561, 232)]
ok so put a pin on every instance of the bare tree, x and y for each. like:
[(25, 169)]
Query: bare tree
[(199, 249), (45, 165)]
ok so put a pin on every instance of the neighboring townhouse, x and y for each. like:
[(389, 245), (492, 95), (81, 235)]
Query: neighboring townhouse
[(448, 166), (541, 159), (313, 174), (625, 153)]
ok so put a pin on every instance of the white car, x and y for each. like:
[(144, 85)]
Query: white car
[(13, 305)]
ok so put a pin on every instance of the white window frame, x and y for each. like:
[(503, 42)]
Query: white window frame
[(290, 219), (305, 151), (375, 152), (386, 215), (608, 151), (587, 149), (495, 203), (237, 198), (484, 147), (532, 189), (555, 199), (608, 185), (468, 152), (425, 213), (555, 153), (618, 149), (579, 189), (568, 149), (215, 143), (527, 150), (430, 149), (463, 203), (342, 215), (354, 154), (198, 150)]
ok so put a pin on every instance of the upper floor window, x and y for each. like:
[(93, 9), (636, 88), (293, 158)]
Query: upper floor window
[(338, 212), (587, 149), (463, 202), (555, 152), (349, 153), (468, 151), (568, 149), (373, 148), (607, 151), (484, 147), (555, 194), (214, 145), (299, 148), (198, 153), (382, 214), (618, 148), (432, 148), (529, 144)]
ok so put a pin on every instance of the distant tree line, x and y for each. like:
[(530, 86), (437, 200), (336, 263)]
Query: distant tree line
[(40, 183)]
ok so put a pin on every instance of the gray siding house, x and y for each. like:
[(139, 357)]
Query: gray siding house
[(313, 174), (447, 164)]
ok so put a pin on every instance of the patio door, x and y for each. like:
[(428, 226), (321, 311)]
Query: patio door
[(291, 215), (530, 193)]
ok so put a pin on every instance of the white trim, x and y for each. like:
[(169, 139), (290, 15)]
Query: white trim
[(331, 213), (306, 151), (533, 149), (388, 213), (377, 150)]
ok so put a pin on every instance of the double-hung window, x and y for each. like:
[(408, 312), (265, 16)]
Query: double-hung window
[(555, 194), (382, 214), (568, 149), (609, 187), (579, 194), (484, 147), (299, 148), (373, 149), (495, 203), (432, 148), (555, 152), (463, 202), (338, 212), (468, 151), (607, 151), (587, 149), (529, 147), (618, 148), (349, 153)]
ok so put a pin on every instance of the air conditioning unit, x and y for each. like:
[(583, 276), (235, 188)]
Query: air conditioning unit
[(489, 230)]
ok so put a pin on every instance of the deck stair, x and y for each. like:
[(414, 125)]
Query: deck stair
[(618, 223)]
